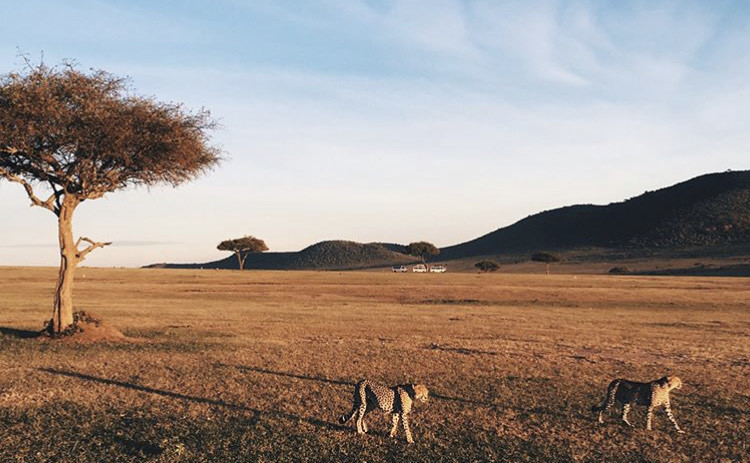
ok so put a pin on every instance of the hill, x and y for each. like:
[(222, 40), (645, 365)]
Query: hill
[(709, 210), (710, 214), (326, 255), (347, 255)]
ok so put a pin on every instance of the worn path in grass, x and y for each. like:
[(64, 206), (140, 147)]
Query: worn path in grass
[(257, 366)]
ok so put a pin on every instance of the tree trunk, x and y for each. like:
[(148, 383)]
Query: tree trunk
[(62, 312), (546, 267), (240, 259)]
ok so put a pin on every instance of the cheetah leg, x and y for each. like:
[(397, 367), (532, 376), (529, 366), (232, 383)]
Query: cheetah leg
[(601, 412), (671, 418), (394, 420), (361, 426), (625, 410), (405, 420), (361, 400), (609, 400), (649, 417)]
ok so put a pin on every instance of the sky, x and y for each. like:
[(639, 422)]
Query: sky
[(393, 121)]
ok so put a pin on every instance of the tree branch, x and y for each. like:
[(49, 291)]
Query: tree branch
[(81, 254), (49, 203), (58, 194)]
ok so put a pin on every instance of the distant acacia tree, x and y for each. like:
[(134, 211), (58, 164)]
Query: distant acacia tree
[(423, 250), (242, 247), (487, 266), (75, 136), (547, 258)]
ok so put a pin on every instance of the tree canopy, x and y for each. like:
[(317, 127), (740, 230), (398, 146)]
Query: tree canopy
[(79, 135), (546, 258), (86, 135), (422, 249), (242, 247)]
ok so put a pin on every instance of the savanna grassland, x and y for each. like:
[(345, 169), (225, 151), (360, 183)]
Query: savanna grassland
[(226, 366)]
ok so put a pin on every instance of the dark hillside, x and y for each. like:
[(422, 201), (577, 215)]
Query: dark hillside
[(708, 210), (266, 260), (346, 255)]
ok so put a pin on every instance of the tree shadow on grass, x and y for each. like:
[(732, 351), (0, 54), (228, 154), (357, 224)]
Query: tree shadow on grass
[(19, 334), (287, 374), (340, 382), (257, 414)]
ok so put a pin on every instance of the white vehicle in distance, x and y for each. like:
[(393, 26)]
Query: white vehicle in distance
[(399, 268), (438, 269), (419, 268)]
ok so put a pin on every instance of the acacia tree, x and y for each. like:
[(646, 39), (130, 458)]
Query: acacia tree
[(242, 247), (76, 136), (547, 258), (423, 250)]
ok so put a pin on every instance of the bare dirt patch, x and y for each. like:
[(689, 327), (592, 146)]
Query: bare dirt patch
[(87, 327)]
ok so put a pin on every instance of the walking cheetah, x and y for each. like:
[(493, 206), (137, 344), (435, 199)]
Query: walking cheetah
[(396, 400), (653, 394)]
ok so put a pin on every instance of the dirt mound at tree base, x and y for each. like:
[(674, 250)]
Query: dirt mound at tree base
[(87, 327)]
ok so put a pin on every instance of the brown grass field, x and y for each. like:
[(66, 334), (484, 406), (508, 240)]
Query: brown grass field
[(229, 366)]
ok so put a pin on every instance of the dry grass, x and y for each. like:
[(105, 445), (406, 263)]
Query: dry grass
[(257, 366)]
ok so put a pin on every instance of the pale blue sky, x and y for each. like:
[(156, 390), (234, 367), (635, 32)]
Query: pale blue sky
[(394, 121)]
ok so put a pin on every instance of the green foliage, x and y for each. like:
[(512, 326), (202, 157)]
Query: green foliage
[(422, 249), (243, 245), (545, 257), (487, 266)]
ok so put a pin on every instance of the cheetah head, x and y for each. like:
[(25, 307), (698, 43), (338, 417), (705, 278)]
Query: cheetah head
[(674, 382), (421, 392)]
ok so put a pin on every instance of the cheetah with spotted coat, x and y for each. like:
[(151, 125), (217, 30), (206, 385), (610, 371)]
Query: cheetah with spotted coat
[(396, 400), (653, 394)]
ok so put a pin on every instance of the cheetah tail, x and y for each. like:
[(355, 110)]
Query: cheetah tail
[(347, 416)]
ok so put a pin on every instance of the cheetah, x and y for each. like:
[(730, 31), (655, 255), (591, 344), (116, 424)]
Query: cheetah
[(653, 394), (396, 400)]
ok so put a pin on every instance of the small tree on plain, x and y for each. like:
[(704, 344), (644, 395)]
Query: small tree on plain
[(77, 136), (242, 247), (487, 266), (423, 250), (546, 258)]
